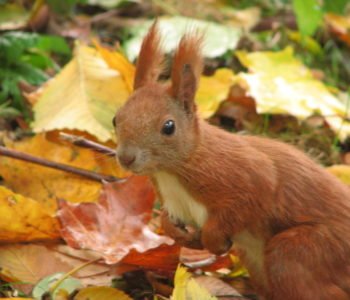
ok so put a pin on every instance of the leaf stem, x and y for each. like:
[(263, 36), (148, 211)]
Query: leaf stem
[(65, 276)]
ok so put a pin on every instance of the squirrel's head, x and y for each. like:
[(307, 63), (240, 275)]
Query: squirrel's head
[(157, 128)]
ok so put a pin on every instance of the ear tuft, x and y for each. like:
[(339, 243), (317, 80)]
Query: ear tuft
[(187, 68), (150, 61)]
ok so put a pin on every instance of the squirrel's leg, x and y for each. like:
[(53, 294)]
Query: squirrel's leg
[(179, 233), (214, 238), (297, 267)]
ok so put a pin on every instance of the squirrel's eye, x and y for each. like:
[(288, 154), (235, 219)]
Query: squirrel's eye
[(168, 127), (113, 121)]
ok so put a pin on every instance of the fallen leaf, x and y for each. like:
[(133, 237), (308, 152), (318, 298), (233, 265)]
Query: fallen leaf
[(194, 258), (217, 287), (116, 223), (24, 219), (185, 287), (27, 264), (164, 258), (98, 293), (212, 91), (342, 172), (46, 185), (13, 16), (339, 25), (217, 38), (117, 61), (280, 84), (67, 286), (84, 96), (245, 18)]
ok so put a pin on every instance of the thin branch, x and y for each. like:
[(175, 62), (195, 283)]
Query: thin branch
[(85, 143), (55, 165)]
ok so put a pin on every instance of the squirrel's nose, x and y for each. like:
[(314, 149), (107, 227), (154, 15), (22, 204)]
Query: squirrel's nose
[(126, 159)]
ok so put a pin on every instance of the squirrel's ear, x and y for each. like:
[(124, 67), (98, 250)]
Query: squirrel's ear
[(187, 88), (186, 70), (150, 61)]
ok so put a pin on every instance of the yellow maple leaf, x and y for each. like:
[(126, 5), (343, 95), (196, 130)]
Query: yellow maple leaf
[(24, 219), (84, 96), (46, 185), (280, 84)]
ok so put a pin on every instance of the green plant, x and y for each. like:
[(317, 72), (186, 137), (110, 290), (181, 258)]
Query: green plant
[(309, 13), (25, 57)]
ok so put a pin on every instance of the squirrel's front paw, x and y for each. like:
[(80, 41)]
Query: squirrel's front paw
[(214, 239), (181, 235)]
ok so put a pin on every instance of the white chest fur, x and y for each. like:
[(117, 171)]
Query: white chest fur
[(178, 201)]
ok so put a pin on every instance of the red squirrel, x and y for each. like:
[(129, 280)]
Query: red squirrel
[(288, 218)]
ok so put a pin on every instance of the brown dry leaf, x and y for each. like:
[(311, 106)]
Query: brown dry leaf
[(217, 287), (196, 258), (46, 185), (24, 219), (164, 258), (339, 25), (98, 293), (28, 264), (114, 225)]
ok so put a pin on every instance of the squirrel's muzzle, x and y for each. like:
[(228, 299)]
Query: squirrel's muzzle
[(126, 160)]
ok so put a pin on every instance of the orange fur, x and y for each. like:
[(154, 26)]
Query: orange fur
[(288, 218), (187, 53), (149, 63)]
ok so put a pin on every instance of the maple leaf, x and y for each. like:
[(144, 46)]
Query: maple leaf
[(115, 224)]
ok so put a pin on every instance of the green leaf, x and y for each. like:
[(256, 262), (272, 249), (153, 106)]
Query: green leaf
[(69, 285), (54, 44), (309, 15), (62, 7), (38, 60), (336, 6), (13, 45)]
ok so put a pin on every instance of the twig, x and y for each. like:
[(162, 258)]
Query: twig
[(83, 142), (65, 276), (55, 165)]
